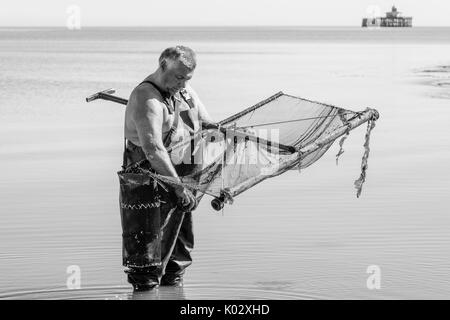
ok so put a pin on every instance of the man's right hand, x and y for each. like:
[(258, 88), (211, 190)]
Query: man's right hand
[(186, 199)]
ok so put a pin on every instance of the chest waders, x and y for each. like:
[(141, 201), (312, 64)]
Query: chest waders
[(157, 237)]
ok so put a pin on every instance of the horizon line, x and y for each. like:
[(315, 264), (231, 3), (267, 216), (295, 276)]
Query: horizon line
[(204, 26)]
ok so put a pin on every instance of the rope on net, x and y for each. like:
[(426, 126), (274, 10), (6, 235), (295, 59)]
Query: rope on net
[(364, 166), (342, 140)]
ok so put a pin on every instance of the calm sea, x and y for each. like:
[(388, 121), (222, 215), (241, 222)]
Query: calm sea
[(298, 236)]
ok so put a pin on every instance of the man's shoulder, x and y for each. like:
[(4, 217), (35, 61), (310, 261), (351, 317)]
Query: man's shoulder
[(145, 95), (146, 91)]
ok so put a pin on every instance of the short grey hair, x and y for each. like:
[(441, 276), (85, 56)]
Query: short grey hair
[(179, 53)]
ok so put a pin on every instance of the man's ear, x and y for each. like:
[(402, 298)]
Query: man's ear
[(163, 65)]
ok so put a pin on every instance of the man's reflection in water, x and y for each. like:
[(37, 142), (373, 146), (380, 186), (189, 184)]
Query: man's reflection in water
[(160, 293)]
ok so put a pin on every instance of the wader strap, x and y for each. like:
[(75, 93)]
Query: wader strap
[(173, 128), (163, 95), (187, 97)]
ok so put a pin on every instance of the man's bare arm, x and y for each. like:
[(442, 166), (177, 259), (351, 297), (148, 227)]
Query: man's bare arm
[(148, 117)]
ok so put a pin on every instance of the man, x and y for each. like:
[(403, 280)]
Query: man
[(157, 233)]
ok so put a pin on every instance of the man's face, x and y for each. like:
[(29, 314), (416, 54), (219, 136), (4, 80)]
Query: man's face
[(175, 76)]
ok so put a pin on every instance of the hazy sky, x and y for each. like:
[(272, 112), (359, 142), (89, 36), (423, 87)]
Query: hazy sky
[(217, 12)]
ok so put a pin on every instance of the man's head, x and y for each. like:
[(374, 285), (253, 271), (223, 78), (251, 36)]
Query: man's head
[(176, 67)]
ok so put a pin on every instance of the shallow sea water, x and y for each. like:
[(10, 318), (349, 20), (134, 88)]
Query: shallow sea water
[(298, 236)]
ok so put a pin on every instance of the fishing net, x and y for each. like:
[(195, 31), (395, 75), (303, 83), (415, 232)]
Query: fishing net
[(281, 133)]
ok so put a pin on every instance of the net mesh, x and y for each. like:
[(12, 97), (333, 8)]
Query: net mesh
[(260, 142)]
